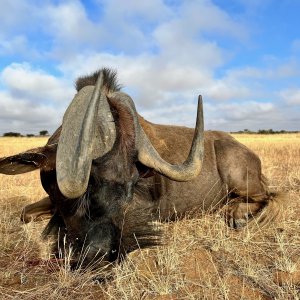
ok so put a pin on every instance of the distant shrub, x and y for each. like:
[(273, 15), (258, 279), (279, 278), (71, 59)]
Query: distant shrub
[(30, 135), (44, 132), (12, 134), (264, 131)]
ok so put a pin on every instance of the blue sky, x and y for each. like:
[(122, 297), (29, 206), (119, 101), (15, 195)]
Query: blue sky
[(242, 56)]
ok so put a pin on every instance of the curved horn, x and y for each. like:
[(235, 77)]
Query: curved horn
[(79, 143), (148, 155), (192, 165)]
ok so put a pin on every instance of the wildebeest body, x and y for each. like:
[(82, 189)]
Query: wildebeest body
[(124, 184), (228, 167)]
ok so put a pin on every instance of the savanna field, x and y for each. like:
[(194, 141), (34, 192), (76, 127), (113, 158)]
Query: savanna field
[(202, 258)]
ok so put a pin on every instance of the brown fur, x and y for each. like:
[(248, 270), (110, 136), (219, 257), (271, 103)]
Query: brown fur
[(229, 170), (125, 130)]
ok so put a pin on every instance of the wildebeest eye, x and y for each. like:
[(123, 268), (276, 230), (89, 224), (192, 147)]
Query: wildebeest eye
[(113, 255), (143, 170)]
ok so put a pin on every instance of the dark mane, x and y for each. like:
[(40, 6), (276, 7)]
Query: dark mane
[(110, 80), (125, 123)]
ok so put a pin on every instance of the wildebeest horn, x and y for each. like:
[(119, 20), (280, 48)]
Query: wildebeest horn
[(87, 133), (181, 172), (148, 155)]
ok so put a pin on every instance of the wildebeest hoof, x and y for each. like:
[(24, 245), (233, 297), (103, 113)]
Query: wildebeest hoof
[(239, 223), (237, 215), (100, 279)]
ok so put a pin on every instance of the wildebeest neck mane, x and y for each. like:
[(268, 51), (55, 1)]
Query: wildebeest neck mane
[(125, 124), (109, 79)]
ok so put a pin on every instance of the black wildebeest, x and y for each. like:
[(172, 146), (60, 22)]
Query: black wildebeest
[(109, 173)]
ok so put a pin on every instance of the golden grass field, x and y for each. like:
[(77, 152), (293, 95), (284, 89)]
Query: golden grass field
[(202, 258)]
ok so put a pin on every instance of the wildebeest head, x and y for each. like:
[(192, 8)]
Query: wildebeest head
[(91, 166)]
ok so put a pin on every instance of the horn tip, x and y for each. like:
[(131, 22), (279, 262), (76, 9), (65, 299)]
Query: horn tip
[(200, 100)]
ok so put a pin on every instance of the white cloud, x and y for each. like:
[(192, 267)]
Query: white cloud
[(21, 115), (291, 96), (25, 82), (32, 100), (155, 10), (14, 45), (245, 111), (273, 69), (227, 89), (13, 13), (207, 17), (19, 46), (184, 63), (120, 26), (70, 26), (252, 115)]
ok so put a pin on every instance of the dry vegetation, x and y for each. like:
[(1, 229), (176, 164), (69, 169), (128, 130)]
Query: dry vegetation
[(202, 257)]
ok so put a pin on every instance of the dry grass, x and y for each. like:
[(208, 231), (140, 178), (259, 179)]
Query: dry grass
[(202, 259)]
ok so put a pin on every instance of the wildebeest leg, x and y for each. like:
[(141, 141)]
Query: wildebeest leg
[(237, 214), (240, 170), (37, 211)]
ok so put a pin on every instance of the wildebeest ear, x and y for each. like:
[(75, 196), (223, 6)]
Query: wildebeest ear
[(37, 211), (144, 171), (27, 161)]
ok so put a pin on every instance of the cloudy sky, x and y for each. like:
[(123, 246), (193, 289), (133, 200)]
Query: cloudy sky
[(243, 56)]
